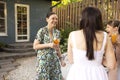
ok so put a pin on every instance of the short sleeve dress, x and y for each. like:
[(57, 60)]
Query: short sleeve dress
[(48, 65)]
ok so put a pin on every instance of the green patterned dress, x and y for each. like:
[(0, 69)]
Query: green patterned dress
[(48, 65)]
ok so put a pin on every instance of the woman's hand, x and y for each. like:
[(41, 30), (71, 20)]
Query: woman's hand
[(63, 64), (55, 46)]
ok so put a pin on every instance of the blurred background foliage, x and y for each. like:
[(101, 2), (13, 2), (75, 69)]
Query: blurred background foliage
[(64, 36), (64, 2)]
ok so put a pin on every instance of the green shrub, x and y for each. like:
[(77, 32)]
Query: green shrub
[(2, 45), (64, 38), (65, 34)]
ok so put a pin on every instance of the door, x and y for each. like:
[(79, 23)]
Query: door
[(22, 22)]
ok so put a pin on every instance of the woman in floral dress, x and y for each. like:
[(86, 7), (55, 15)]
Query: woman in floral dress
[(48, 53)]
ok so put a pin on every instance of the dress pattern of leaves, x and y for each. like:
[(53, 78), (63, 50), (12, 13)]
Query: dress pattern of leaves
[(48, 65)]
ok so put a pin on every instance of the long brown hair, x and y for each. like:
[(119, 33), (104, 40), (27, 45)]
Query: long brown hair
[(91, 21)]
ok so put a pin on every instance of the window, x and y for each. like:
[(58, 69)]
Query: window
[(22, 22), (3, 19)]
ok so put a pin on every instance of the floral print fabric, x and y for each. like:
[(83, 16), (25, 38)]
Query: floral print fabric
[(48, 65)]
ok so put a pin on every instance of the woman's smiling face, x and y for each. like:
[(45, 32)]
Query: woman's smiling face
[(52, 20), (109, 29)]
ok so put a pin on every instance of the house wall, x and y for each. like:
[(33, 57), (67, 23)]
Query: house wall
[(38, 11)]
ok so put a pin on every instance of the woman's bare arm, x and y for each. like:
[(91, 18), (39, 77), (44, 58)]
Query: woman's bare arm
[(110, 55), (69, 51), (38, 45)]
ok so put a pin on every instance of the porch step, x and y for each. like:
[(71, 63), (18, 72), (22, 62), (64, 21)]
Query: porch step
[(7, 69), (5, 60), (10, 54), (2, 75), (18, 50), (5, 55), (7, 65), (19, 47)]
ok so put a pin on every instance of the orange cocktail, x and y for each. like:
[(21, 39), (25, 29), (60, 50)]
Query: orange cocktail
[(56, 41), (114, 37)]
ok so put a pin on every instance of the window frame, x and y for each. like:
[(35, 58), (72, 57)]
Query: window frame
[(28, 22), (5, 19)]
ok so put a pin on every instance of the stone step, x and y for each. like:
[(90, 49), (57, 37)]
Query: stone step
[(6, 69), (4, 55), (2, 74), (21, 45), (17, 50), (7, 62), (14, 51), (1, 49), (1, 78), (10, 65)]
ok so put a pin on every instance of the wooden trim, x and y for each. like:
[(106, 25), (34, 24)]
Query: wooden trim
[(28, 24)]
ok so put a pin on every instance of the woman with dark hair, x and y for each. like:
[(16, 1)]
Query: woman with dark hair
[(48, 51), (87, 46), (113, 26), (113, 29)]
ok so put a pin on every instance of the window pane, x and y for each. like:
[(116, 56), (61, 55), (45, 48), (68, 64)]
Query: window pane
[(24, 25), (18, 9), (2, 22), (19, 16), (24, 17), (2, 18), (2, 26), (22, 37), (19, 24), (1, 10), (24, 31), (22, 20)]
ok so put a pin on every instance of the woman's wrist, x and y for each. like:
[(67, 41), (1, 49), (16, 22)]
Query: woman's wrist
[(49, 45), (60, 58)]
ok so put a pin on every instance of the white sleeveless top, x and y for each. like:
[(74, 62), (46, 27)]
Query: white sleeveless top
[(84, 69)]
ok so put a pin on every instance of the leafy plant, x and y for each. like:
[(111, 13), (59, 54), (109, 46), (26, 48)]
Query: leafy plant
[(65, 2), (64, 38), (2, 45)]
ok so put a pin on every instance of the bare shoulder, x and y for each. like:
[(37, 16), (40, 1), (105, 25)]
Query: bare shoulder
[(73, 32), (76, 32), (100, 33)]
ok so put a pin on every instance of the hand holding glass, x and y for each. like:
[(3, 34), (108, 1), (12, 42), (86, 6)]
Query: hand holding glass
[(56, 41), (114, 37)]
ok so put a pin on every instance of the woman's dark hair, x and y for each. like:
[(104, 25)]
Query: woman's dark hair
[(49, 14), (114, 23), (91, 22)]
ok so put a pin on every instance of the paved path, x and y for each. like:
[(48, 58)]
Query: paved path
[(27, 69), (8, 62), (7, 65)]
